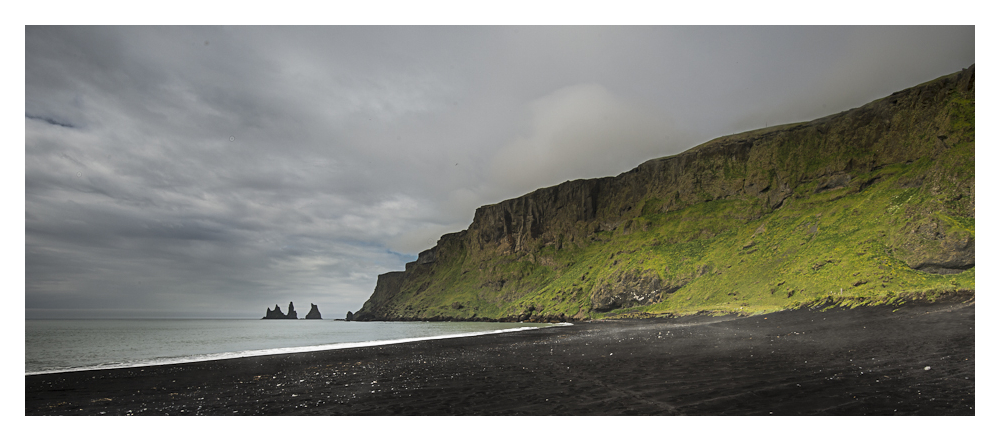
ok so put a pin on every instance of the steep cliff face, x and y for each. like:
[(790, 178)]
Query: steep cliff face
[(892, 182)]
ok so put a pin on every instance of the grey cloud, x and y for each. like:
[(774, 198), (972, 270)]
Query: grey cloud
[(582, 131)]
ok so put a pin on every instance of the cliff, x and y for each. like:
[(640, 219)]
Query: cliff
[(871, 204)]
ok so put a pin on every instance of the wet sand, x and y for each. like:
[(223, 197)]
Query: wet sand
[(866, 361)]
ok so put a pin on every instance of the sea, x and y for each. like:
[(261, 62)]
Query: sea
[(78, 345)]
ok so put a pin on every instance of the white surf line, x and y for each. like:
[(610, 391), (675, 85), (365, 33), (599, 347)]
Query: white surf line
[(280, 351)]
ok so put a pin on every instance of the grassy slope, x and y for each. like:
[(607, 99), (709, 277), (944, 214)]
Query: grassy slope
[(848, 244)]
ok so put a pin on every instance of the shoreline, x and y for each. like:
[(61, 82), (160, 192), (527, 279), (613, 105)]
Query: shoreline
[(864, 361), (232, 355)]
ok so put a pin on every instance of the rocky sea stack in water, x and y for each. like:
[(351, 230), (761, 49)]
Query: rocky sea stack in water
[(871, 205), (313, 312), (277, 314)]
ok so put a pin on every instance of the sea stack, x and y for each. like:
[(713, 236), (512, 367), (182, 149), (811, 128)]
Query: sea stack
[(350, 316), (276, 314), (314, 312)]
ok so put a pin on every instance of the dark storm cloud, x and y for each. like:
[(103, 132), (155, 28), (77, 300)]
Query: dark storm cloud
[(49, 121), (217, 171)]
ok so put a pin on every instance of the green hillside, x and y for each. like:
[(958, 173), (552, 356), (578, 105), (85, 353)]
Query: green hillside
[(872, 205)]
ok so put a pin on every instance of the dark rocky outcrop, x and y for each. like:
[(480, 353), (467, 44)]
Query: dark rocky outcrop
[(626, 290), (387, 286), (313, 312), (927, 245), (277, 314), (350, 316)]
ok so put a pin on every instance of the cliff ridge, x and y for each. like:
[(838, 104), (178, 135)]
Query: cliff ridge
[(869, 204)]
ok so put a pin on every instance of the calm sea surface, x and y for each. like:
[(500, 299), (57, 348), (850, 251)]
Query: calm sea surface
[(71, 345)]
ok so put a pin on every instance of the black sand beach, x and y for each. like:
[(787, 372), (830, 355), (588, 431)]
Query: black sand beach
[(917, 360)]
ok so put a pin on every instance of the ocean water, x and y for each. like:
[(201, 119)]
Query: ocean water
[(73, 345)]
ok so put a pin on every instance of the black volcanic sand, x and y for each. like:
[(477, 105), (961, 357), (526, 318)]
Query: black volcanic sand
[(840, 362)]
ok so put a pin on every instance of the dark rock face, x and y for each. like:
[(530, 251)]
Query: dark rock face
[(630, 290), (386, 288), (350, 316), (291, 312), (927, 245), (313, 312)]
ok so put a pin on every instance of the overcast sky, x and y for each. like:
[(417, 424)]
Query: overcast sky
[(214, 172)]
